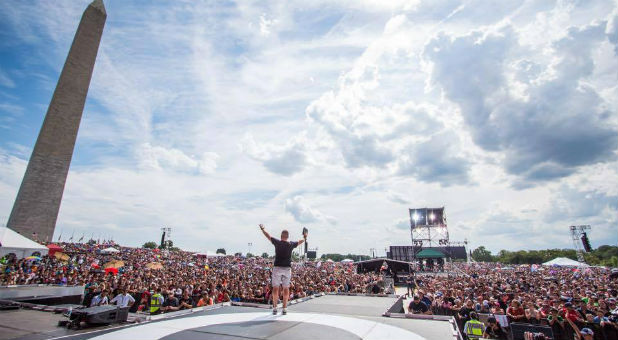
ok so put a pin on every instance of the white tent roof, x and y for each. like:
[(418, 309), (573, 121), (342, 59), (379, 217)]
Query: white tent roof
[(565, 262), (13, 242), (209, 254), (347, 260), (110, 250), (10, 238)]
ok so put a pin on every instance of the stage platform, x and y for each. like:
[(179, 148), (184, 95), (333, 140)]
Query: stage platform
[(327, 317), (42, 294)]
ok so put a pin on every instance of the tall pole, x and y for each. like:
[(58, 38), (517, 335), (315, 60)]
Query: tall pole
[(38, 200)]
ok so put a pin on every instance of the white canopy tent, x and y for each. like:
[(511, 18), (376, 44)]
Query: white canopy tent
[(564, 262), (21, 246), (347, 261), (110, 250)]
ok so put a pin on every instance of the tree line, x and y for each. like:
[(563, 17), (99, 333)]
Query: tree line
[(602, 256)]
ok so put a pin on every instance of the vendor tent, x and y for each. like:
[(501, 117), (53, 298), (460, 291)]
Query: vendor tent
[(21, 246), (564, 262), (110, 250), (429, 253), (53, 248)]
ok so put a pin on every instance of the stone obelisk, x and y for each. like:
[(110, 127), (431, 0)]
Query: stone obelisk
[(38, 200)]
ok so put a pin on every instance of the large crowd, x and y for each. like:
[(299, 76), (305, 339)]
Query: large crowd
[(572, 301), (183, 279)]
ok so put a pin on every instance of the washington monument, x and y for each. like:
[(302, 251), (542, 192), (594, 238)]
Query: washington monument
[(38, 200)]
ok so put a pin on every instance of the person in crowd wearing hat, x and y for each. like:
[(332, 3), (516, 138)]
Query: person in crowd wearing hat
[(204, 300), (426, 298), (571, 314)]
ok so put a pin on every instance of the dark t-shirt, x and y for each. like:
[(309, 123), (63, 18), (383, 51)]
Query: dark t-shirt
[(496, 333), (171, 302), (418, 307), (187, 300), (283, 252), (464, 313)]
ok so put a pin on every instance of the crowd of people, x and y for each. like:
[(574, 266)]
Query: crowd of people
[(176, 279), (574, 302)]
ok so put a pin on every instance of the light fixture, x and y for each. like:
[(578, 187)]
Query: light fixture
[(432, 216)]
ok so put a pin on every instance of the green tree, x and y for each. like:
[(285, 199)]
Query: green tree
[(149, 245), (221, 251), (167, 244), (482, 255), (264, 255), (249, 255)]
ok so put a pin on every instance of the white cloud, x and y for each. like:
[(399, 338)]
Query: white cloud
[(397, 197), (266, 25), (303, 213), (161, 158), (357, 110), (542, 114), (284, 160)]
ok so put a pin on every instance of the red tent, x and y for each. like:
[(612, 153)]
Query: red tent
[(53, 248)]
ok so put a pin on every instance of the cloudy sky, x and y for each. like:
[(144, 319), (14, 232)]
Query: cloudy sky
[(213, 116)]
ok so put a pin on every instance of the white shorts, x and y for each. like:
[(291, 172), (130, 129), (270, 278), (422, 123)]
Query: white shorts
[(281, 276)]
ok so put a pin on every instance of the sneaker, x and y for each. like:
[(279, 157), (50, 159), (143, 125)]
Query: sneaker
[(284, 312), (274, 311)]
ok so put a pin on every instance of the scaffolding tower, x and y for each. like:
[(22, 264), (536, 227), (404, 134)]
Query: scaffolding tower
[(576, 234), (428, 227)]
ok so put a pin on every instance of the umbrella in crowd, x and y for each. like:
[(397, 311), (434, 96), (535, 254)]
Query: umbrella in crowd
[(154, 265), (114, 264), (61, 256), (111, 270), (33, 258)]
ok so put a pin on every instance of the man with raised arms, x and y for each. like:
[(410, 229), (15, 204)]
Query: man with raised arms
[(282, 269)]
